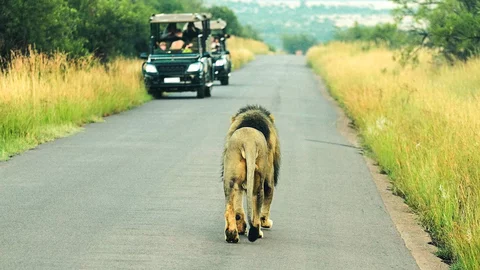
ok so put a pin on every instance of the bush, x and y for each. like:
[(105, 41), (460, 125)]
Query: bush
[(380, 34), (297, 42)]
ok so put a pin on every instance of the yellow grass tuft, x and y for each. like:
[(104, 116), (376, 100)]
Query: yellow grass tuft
[(423, 126), (244, 50), (255, 46)]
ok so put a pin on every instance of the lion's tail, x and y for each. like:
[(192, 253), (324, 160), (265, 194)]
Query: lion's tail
[(249, 153)]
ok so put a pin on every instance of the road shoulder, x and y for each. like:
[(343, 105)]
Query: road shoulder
[(416, 239)]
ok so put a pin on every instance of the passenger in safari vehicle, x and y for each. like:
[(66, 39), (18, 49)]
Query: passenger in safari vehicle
[(174, 40)]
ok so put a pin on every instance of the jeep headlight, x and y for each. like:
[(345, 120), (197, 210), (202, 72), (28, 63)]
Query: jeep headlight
[(220, 62), (149, 68), (194, 67)]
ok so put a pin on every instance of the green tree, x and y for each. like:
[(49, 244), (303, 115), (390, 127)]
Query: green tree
[(296, 42), (450, 26), (249, 32), (111, 27), (47, 24), (234, 27), (106, 28), (379, 34)]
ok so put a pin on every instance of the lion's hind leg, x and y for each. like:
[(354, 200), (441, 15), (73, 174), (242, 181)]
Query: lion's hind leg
[(231, 231), (255, 230), (268, 188), (234, 173), (240, 213)]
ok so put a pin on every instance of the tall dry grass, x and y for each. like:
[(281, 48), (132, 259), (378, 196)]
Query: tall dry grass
[(423, 126), (244, 50), (42, 97)]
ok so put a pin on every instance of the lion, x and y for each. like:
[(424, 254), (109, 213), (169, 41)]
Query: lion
[(251, 163)]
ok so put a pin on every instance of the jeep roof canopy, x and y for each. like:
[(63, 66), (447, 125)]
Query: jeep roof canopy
[(179, 18), (217, 24)]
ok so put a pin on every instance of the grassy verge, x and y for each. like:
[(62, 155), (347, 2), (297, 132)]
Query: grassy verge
[(423, 127), (44, 98), (244, 50)]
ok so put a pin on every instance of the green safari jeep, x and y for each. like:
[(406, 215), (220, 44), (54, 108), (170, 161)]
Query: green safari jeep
[(179, 59)]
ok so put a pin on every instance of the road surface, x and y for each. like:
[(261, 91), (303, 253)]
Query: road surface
[(143, 189)]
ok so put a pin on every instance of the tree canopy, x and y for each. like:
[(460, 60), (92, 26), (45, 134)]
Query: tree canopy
[(450, 26), (297, 42), (234, 26), (106, 28), (388, 34)]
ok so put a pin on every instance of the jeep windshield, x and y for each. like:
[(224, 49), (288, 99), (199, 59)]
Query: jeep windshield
[(178, 33)]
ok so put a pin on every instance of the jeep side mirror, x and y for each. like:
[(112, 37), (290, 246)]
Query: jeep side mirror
[(143, 55), (227, 52), (227, 36)]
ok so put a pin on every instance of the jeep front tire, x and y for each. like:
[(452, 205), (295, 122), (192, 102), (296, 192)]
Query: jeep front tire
[(201, 91), (224, 81)]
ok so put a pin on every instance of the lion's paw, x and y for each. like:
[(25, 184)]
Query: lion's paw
[(266, 223), (231, 236)]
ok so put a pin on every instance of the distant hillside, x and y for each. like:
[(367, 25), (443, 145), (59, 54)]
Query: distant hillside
[(272, 18)]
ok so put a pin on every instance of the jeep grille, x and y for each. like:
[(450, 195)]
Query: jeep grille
[(171, 68)]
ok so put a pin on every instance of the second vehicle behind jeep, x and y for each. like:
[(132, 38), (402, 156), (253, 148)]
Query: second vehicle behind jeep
[(220, 55)]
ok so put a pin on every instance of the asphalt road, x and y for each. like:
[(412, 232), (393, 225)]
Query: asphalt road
[(142, 190)]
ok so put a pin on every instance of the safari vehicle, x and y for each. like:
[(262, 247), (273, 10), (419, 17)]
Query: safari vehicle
[(179, 58), (221, 56)]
